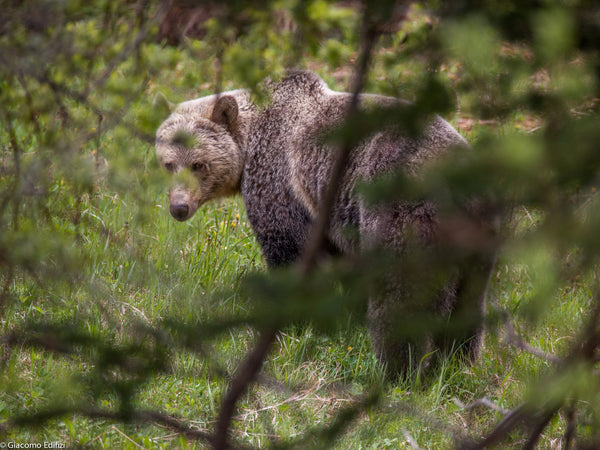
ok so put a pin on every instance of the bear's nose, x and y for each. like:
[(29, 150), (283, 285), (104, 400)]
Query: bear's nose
[(179, 212)]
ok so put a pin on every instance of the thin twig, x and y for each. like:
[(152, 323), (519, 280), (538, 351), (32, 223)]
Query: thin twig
[(536, 433), (246, 373), (590, 339), (411, 441), (510, 421), (13, 192), (321, 224), (174, 424), (139, 416), (133, 46), (585, 349), (570, 431), (484, 401), (513, 339)]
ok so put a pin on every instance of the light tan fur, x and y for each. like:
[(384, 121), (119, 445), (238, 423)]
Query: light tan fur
[(214, 153)]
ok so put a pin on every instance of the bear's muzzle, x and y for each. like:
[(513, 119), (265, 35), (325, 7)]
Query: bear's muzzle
[(179, 211)]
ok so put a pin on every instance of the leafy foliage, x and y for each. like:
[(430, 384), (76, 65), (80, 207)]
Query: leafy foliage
[(111, 313)]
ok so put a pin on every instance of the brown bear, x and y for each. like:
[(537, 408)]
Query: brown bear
[(277, 158)]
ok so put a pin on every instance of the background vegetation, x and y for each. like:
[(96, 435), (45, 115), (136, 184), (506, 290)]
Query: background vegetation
[(123, 328)]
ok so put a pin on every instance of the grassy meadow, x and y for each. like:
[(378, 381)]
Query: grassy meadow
[(102, 269), (143, 268)]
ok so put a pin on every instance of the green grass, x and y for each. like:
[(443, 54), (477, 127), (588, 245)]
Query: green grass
[(144, 272)]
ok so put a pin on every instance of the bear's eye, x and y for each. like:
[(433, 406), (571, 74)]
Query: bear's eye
[(198, 167), (170, 167)]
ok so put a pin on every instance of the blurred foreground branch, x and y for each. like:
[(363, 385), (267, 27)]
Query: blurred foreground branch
[(248, 370), (535, 415)]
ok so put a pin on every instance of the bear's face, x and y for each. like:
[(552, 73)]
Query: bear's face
[(203, 156)]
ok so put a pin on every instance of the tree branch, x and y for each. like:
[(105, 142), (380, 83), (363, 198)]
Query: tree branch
[(484, 401), (515, 340), (321, 225), (139, 416), (248, 371), (245, 374), (541, 414), (505, 426)]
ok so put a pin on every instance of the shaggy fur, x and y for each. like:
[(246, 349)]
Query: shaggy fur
[(278, 160)]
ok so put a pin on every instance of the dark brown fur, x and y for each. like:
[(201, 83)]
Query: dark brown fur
[(285, 170)]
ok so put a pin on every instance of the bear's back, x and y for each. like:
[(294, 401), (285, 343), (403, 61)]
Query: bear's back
[(290, 157)]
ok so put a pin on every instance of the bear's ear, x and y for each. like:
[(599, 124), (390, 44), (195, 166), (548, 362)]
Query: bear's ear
[(225, 112), (162, 102)]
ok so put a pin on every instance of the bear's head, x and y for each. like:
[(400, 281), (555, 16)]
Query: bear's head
[(201, 146)]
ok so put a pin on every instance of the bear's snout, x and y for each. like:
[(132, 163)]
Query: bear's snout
[(179, 211), (183, 202)]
